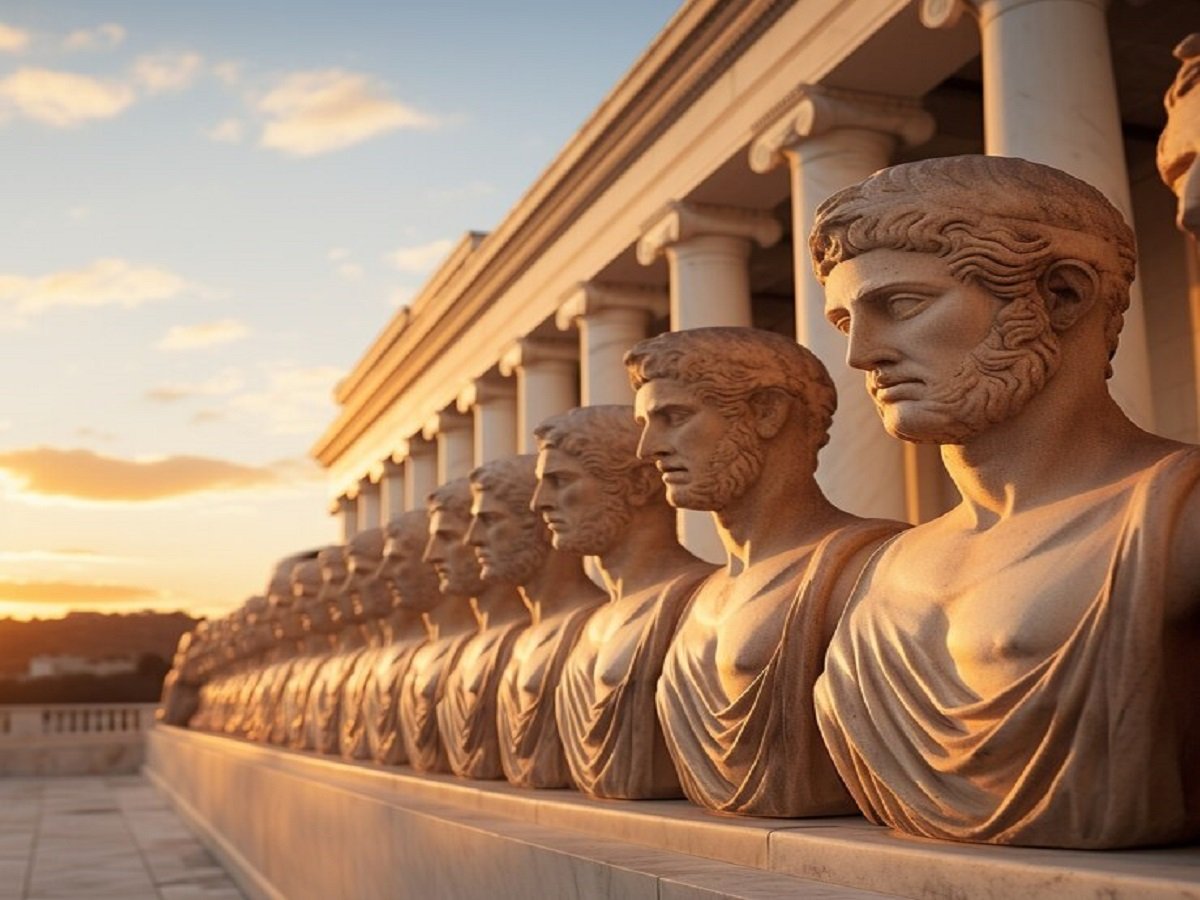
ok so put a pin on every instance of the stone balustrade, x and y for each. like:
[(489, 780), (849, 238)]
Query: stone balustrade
[(73, 738)]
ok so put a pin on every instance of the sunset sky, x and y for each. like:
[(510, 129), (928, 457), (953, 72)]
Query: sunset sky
[(210, 210)]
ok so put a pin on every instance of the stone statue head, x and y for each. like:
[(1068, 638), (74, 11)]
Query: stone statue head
[(307, 593), (412, 582), (365, 596), (510, 540), (710, 400), (957, 279), (454, 562), (1179, 145), (331, 561), (590, 478)]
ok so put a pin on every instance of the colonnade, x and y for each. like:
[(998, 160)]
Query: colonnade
[(1048, 95)]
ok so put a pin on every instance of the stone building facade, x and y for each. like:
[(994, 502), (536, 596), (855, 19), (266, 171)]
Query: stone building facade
[(685, 200)]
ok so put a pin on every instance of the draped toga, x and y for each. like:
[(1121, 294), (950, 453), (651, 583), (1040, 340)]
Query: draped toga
[(610, 734), (295, 698), (420, 693), (1096, 746), (381, 701), (466, 713), (760, 753), (530, 749), (352, 727), (323, 711)]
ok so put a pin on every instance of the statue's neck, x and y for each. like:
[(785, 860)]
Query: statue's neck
[(559, 585), (450, 617), (498, 604)]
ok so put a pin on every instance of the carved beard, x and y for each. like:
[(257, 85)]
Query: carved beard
[(462, 574), (599, 530), (522, 562), (1008, 368), (735, 465)]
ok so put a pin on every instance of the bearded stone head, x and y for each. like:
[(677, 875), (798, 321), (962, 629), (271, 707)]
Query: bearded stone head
[(699, 395), (510, 540), (457, 569), (955, 279), (1179, 145), (590, 479), (412, 582)]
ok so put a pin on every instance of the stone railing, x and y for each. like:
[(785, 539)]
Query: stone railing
[(73, 738)]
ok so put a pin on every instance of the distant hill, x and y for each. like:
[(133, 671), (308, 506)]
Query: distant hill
[(94, 635)]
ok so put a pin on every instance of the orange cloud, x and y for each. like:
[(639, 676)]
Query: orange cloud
[(84, 475), (72, 592)]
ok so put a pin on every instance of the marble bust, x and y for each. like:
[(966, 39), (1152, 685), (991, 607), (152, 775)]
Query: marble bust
[(253, 638), (1021, 670), (1179, 146), (467, 710), (513, 545), (413, 590), (323, 712), (449, 625), (733, 418), (181, 687), (369, 602), (599, 499), (320, 634)]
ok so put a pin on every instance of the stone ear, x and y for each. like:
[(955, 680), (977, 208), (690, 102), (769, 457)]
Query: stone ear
[(769, 407), (1069, 288)]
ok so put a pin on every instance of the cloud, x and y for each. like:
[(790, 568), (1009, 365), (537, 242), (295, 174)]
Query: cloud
[(12, 40), (160, 72), (102, 37), (207, 416), (203, 334), (229, 73), (84, 475), (296, 400), (71, 556), (224, 383), (421, 257), (61, 99), (317, 112), (350, 271), (337, 254), (86, 432), (73, 592), (227, 131), (78, 213), (105, 282)]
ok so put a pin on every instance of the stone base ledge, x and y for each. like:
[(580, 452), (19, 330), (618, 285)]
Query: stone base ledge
[(296, 825)]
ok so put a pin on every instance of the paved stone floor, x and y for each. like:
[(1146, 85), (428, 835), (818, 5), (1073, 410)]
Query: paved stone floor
[(102, 837)]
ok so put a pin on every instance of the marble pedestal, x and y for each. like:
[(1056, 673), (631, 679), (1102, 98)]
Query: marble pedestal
[(296, 825)]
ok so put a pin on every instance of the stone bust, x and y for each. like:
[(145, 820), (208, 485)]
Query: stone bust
[(513, 544), (370, 603), (449, 625), (320, 630), (501, 545), (733, 419), (1179, 146), (412, 588), (323, 712), (1021, 670), (181, 687), (600, 500)]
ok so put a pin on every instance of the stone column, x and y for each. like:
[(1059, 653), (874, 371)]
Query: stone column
[(347, 513), (611, 318), (547, 374), (492, 400), (392, 490), (420, 471), (455, 443), (707, 248), (1050, 96), (370, 513), (832, 139)]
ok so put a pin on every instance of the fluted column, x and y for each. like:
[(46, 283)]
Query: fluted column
[(547, 373), (420, 472), (347, 513), (492, 401), (369, 507), (611, 318), (392, 490), (707, 248), (455, 443), (832, 139), (1050, 96)]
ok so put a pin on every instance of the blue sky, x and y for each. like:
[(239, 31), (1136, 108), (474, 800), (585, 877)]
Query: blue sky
[(211, 209)]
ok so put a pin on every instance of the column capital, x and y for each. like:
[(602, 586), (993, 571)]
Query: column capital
[(529, 351), (945, 14), (366, 485), (590, 297), (418, 445), (812, 110), (445, 422), (681, 220), (392, 467), (484, 389), (343, 503)]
